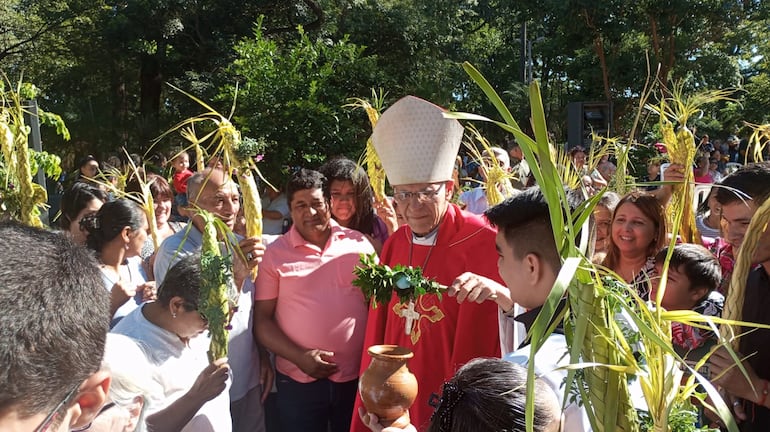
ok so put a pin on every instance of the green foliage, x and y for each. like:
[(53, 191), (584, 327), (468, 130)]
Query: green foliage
[(102, 63), (379, 282), (55, 120), (684, 417), (49, 163), (249, 148), (293, 96)]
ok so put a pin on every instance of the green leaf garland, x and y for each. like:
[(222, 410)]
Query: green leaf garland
[(380, 281)]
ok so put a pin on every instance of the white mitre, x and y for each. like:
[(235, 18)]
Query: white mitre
[(415, 143)]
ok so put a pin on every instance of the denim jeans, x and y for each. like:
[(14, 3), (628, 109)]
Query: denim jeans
[(318, 406)]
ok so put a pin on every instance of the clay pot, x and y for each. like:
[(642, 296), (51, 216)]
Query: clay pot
[(387, 387)]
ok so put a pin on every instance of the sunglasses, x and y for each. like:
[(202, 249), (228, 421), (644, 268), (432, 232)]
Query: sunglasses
[(54, 414), (101, 411)]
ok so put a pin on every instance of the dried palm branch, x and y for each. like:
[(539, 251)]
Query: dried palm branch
[(758, 142), (497, 180), (236, 154), (604, 351), (674, 113), (374, 169), (755, 233), (16, 154)]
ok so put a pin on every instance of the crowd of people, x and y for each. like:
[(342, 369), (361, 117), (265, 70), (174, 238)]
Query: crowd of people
[(111, 337)]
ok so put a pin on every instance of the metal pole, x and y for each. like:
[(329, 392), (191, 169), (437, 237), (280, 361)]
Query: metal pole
[(523, 53), (35, 142)]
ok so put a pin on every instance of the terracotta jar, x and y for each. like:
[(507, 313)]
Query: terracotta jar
[(387, 387)]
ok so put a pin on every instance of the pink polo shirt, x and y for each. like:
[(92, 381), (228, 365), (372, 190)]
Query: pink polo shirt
[(317, 305)]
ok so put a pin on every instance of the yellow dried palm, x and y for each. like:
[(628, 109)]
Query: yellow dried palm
[(497, 180), (758, 141), (599, 348), (674, 112), (374, 169), (16, 154)]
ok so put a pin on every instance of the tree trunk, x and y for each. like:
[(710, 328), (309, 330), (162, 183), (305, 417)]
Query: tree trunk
[(599, 48), (150, 82), (119, 103)]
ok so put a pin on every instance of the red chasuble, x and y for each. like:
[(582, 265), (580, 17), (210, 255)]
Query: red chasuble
[(444, 334)]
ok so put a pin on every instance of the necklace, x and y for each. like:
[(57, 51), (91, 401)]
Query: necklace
[(427, 257), (104, 267), (412, 317)]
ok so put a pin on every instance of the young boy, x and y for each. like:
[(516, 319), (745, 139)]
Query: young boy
[(180, 165), (693, 277)]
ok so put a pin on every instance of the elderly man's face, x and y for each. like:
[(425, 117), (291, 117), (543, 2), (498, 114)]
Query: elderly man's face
[(219, 195), (423, 204)]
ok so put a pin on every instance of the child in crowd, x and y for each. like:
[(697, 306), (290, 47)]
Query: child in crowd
[(693, 277), (180, 165)]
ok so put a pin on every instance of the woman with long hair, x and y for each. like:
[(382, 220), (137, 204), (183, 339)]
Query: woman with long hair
[(351, 197), (117, 233), (708, 219), (638, 231)]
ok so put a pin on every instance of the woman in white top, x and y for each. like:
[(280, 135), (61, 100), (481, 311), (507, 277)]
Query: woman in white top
[(117, 232), (194, 393)]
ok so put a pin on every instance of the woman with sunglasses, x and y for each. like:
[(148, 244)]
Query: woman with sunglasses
[(193, 396)]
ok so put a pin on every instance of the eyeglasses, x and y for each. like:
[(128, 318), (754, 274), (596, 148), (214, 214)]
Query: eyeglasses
[(51, 417), (192, 307), (101, 411), (422, 196)]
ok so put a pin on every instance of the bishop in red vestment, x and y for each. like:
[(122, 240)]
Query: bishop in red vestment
[(417, 148)]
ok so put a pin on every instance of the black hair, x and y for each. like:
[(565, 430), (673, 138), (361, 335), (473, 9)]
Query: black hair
[(110, 220), (85, 159), (304, 179), (342, 169), (696, 262), (751, 182), (183, 280), (525, 221), (490, 395), (75, 199), (54, 317)]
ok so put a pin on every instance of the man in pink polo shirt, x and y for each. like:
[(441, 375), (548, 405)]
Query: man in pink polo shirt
[(309, 313)]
